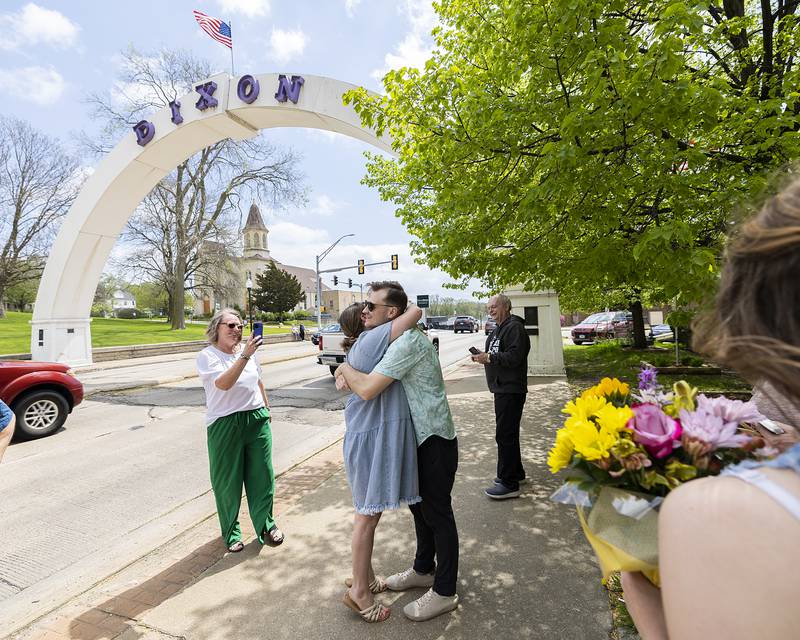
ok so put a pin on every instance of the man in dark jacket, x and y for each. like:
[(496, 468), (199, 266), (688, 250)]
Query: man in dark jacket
[(506, 363)]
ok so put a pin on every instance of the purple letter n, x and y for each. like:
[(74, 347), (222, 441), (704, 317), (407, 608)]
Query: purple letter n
[(287, 90)]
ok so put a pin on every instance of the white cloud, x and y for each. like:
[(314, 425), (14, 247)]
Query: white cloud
[(350, 7), (286, 44), (324, 205), (249, 8), (41, 85), (33, 25), (291, 234), (416, 46)]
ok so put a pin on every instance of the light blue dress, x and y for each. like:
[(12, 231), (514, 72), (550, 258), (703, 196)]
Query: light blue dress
[(380, 448)]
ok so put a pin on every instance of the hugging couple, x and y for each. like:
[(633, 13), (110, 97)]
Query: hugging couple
[(400, 447)]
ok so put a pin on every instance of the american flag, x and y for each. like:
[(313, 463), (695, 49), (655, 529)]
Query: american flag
[(217, 29)]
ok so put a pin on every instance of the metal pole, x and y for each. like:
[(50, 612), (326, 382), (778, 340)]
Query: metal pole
[(230, 26), (319, 298)]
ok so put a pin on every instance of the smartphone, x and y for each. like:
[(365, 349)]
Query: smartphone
[(258, 329), (474, 351)]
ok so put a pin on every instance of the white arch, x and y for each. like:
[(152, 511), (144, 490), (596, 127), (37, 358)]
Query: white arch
[(60, 326)]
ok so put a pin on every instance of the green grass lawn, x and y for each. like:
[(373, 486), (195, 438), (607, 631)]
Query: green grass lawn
[(588, 364), (15, 332)]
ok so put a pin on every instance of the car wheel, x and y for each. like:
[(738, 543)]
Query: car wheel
[(40, 413), (436, 346), (578, 341), (333, 370)]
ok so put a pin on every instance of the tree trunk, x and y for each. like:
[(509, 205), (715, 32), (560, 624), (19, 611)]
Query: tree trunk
[(2, 305), (639, 338), (178, 319)]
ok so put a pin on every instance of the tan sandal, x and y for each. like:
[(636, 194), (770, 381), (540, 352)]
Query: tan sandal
[(378, 585), (375, 613)]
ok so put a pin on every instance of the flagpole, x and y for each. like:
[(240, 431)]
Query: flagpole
[(230, 25)]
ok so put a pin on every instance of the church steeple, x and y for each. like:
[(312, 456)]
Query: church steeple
[(255, 234)]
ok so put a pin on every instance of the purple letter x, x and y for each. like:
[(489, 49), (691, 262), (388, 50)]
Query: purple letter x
[(207, 98)]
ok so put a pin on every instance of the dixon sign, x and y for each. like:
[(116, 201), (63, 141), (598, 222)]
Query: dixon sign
[(247, 90)]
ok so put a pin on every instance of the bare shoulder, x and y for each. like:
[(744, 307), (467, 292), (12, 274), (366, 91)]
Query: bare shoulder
[(728, 555)]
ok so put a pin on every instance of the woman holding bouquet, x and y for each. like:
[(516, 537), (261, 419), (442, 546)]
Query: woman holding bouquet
[(729, 551)]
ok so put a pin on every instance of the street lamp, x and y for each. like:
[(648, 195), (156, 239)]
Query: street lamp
[(320, 258), (249, 285)]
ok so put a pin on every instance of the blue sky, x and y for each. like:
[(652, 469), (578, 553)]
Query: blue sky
[(56, 52)]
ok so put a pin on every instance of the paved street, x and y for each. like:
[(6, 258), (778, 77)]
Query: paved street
[(129, 470)]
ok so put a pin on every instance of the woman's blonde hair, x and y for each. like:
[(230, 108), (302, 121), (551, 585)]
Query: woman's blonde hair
[(212, 330), (755, 324)]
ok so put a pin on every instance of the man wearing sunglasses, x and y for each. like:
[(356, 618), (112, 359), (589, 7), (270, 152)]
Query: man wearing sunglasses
[(413, 360)]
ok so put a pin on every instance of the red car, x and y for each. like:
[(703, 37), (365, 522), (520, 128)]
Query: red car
[(608, 324), (42, 395)]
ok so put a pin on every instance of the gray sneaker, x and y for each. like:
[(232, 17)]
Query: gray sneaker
[(409, 579), (430, 605)]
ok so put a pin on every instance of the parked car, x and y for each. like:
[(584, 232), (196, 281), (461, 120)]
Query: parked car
[(489, 326), (41, 394), (599, 326), (331, 328), (465, 324), (661, 333)]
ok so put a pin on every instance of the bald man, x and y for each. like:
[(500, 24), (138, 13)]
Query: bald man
[(506, 364)]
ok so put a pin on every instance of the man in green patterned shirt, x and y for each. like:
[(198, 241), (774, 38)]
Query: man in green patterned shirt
[(413, 360)]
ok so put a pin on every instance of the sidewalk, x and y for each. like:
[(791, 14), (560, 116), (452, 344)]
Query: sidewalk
[(526, 570)]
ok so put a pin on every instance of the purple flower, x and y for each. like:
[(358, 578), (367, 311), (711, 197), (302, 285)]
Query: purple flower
[(647, 377), (734, 411), (711, 429), (654, 430)]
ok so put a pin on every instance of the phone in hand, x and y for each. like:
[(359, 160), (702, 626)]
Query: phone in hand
[(258, 329), (474, 351)]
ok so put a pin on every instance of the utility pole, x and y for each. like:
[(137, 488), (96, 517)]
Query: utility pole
[(320, 258)]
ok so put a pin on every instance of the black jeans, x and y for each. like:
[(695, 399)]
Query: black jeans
[(437, 536), (508, 413)]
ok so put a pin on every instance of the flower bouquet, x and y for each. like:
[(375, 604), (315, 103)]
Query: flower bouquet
[(623, 451)]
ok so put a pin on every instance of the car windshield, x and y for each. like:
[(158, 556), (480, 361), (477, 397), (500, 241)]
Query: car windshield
[(331, 328), (599, 317)]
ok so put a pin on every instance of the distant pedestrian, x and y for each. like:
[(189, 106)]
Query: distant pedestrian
[(7, 423), (239, 436), (302, 332), (506, 365)]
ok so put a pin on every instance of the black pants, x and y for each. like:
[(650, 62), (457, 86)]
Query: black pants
[(437, 536), (508, 413)]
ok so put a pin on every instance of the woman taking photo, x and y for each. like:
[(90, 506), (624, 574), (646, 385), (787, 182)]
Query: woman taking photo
[(239, 436)]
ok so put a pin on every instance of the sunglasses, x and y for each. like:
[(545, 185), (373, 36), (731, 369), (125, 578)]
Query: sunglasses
[(233, 325), (370, 306)]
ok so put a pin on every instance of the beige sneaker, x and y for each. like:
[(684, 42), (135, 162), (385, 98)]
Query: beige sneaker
[(409, 579), (430, 605)]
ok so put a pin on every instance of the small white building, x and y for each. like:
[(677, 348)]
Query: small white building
[(122, 300), (540, 311)]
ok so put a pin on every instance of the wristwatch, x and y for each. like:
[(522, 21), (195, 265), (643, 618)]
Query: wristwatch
[(244, 357)]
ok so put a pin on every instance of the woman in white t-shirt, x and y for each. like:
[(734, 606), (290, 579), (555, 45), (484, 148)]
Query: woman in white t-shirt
[(239, 436)]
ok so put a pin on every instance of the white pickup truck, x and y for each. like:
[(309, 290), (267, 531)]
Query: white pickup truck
[(332, 352)]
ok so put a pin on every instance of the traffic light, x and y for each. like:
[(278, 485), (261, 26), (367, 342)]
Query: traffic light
[(349, 283), (361, 266), (395, 266), (322, 309), (335, 280)]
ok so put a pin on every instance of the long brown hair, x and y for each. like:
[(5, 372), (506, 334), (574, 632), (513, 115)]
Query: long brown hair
[(755, 324), (352, 325)]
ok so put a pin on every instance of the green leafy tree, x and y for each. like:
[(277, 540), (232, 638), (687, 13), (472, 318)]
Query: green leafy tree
[(593, 146), (151, 295), (23, 293), (276, 291)]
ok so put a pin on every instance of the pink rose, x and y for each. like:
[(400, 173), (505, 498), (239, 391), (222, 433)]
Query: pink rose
[(654, 430)]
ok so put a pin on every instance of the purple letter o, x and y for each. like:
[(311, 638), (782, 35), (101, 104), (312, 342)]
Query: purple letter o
[(247, 89)]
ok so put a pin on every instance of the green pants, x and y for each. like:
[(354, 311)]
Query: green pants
[(240, 451)]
